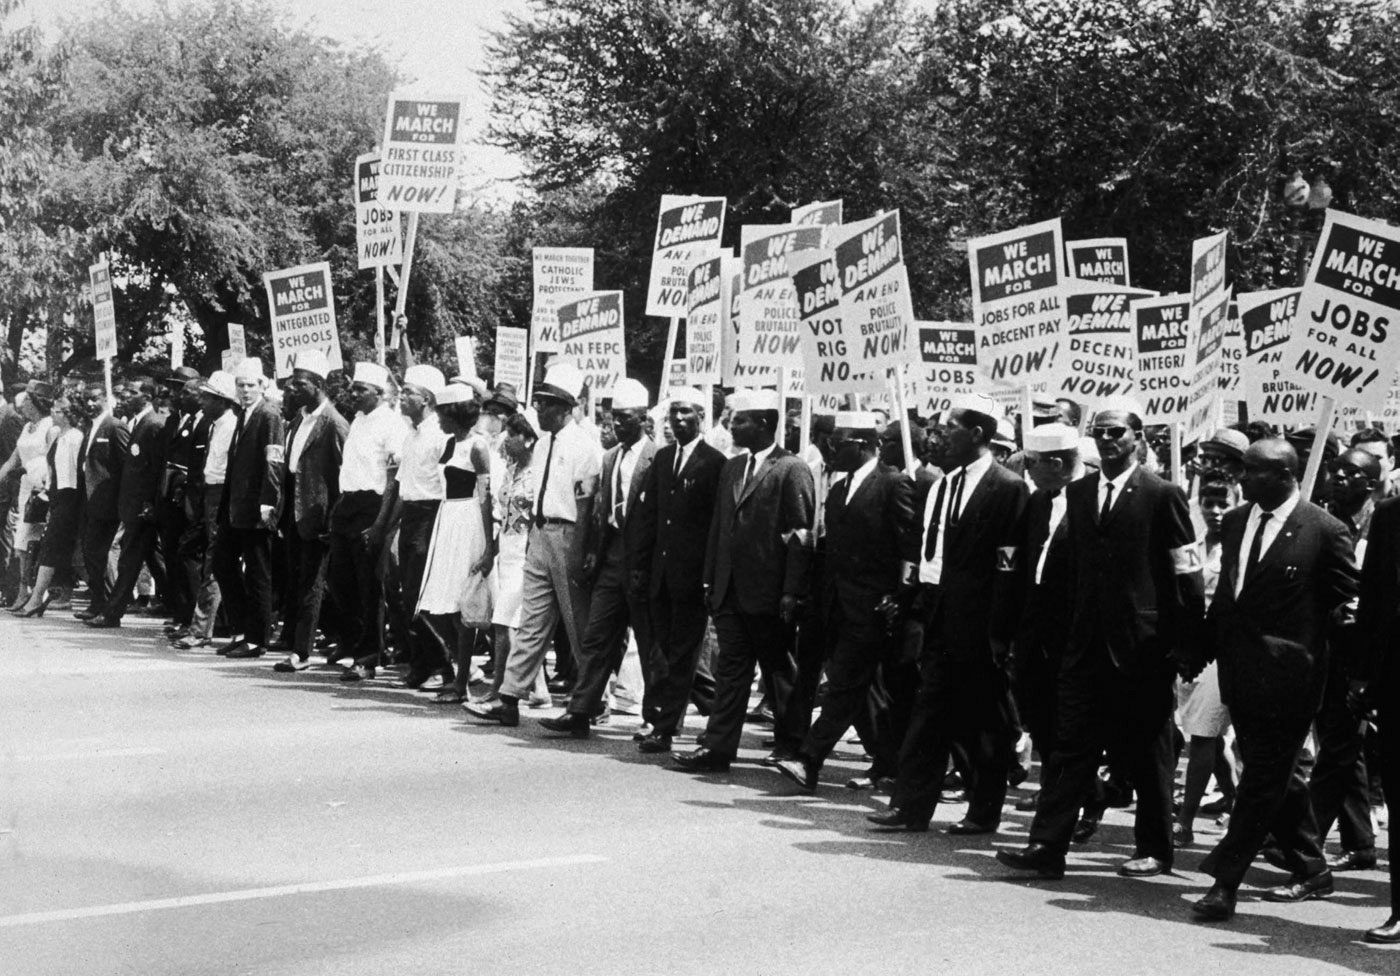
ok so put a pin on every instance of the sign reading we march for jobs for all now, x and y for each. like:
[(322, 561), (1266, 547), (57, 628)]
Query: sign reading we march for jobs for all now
[(688, 230), (376, 229), (303, 314), (1017, 302), (422, 146)]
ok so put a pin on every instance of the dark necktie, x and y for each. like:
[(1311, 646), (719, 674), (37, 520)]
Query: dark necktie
[(931, 545), (619, 492), (748, 472), (544, 482), (237, 431), (955, 503), (1107, 503), (680, 456), (1257, 546)]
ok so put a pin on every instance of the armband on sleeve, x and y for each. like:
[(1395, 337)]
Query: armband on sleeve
[(1187, 559)]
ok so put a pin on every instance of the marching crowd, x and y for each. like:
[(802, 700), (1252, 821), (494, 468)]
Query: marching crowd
[(1057, 589)]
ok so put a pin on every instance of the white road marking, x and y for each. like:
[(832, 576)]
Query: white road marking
[(90, 754), (312, 887)]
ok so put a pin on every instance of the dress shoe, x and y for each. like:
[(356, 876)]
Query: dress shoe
[(290, 665), (104, 623), (448, 696), (1035, 857), (1016, 775), (602, 718), (246, 652), (434, 682), (1387, 934), (1086, 828), (539, 701), (865, 781), (800, 772), (38, 611), (88, 614), (560, 686), (1219, 805), (1027, 804), (1352, 861), (654, 744), (1218, 905), (1302, 889), (1143, 867), (191, 641), (413, 681), (701, 760), (506, 713), (574, 726), (644, 732), (967, 827), (360, 672), (897, 819), (1182, 836), (223, 649), (778, 755)]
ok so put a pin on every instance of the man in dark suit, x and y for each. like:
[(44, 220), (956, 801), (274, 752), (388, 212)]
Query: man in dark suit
[(248, 513), (757, 561), (610, 547), (872, 544), (966, 578), (137, 498), (105, 448), (673, 517), (178, 443), (314, 449), (1135, 578), (1287, 582)]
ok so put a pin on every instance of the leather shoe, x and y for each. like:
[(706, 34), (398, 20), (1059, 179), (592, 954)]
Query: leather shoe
[(1143, 867), (104, 623), (967, 827), (497, 711), (701, 760), (645, 732), (1387, 934), (801, 773), (1182, 836), (223, 649), (245, 652), (574, 726), (655, 744), (360, 672), (1218, 905), (1028, 803), (290, 665), (1086, 828), (1302, 889), (88, 614), (1034, 857), (778, 755), (896, 818), (1352, 861)]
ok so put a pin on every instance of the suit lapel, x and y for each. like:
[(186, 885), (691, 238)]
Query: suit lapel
[(1125, 496), (646, 454), (1278, 552), (759, 474)]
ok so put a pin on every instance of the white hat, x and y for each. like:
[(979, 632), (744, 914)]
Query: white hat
[(455, 393), (756, 400), (977, 403), (1119, 404), (475, 383), (220, 384), (312, 361), (562, 381), (428, 377), (249, 369), (856, 420), (371, 374), (685, 394), (629, 394), (1052, 437), (1006, 433)]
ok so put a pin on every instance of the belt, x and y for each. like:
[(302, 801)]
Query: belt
[(541, 521)]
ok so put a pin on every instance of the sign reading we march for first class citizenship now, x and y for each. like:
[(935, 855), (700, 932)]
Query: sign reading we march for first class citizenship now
[(687, 230), (1017, 303), (422, 146), (1346, 337), (303, 314), (376, 229)]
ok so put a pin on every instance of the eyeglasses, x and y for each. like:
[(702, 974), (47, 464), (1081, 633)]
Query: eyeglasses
[(1112, 433)]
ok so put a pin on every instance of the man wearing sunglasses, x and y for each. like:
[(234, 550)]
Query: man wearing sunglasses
[(1138, 602)]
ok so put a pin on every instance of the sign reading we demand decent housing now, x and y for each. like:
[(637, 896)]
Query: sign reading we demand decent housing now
[(422, 146)]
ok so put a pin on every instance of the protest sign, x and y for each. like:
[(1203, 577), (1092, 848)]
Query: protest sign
[(1266, 323), (675, 376), (737, 373), (177, 345), (824, 215), (707, 294), (559, 271), (511, 347), (422, 146), (1231, 359), (1101, 341), (1103, 259), (1162, 331), (237, 343), (1210, 304), (303, 314), (376, 229), (591, 337), (227, 361), (947, 366), (104, 310), (770, 327), (466, 355), (687, 230), (827, 350), (876, 309), (1017, 302), (1346, 339)]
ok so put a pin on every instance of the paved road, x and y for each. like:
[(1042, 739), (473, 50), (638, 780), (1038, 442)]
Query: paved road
[(166, 812)]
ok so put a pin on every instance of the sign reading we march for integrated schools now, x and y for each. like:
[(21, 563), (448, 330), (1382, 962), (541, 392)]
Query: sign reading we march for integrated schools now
[(1346, 336), (1163, 373), (769, 324), (591, 337), (421, 149), (559, 271), (303, 314), (1103, 259), (104, 310), (1017, 302), (688, 230), (376, 230)]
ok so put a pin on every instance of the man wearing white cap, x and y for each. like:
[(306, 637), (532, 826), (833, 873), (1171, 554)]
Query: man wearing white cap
[(966, 580), (314, 449), (1135, 624), (251, 502), (618, 600), (757, 563), (677, 504), (359, 519), (569, 463)]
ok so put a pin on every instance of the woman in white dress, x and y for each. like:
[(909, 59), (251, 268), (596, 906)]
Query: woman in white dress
[(65, 509), (31, 456)]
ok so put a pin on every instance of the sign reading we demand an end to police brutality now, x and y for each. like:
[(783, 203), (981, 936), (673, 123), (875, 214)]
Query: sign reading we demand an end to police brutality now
[(707, 296), (687, 230), (875, 304), (422, 147), (770, 322), (1018, 304), (1346, 336), (303, 314), (376, 229), (592, 338)]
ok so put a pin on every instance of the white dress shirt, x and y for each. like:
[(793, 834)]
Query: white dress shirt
[(1117, 484), (303, 434), (931, 568), (623, 470), (420, 468), (858, 477), (372, 446), (65, 459), (1271, 529), (683, 453), (216, 455), (576, 458), (1058, 506)]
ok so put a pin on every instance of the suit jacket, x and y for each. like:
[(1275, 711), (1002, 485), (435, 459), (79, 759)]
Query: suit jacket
[(1136, 579), (100, 468), (1044, 606), (976, 591), (1376, 655), (868, 537), (316, 481), (1272, 640), (143, 470), (673, 521), (256, 466), (600, 529), (760, 544)]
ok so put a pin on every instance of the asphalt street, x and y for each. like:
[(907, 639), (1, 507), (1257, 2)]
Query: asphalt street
[(173, 812)]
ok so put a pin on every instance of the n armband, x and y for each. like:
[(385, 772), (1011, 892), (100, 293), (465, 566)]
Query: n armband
[(1187, 559), (274, 453), (1008, 559)]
